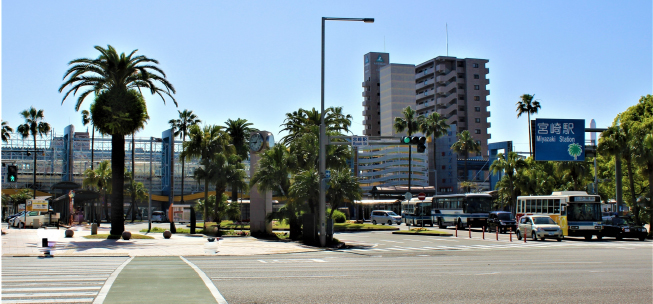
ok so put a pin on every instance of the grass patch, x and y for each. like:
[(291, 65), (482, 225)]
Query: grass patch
[(231, 225), (116, 237), (356, 227), (179, 230)]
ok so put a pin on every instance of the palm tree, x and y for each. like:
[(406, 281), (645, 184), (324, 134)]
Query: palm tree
[(436, 125), (6, 131), (138, 193), (343, 186), (308, 121), (239, 130), (615, 142), (528, 105), (229, 170), (206, 173), (101, 179), (411, 123), (509, 165), (34, 125), (205, 144), (119, 109), (180, 127), (465, 144)]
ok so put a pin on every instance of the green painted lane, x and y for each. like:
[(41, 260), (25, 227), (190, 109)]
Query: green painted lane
[(159, 280)]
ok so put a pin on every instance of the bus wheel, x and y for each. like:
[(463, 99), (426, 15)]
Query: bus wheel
[(588, 237), (440, 225)]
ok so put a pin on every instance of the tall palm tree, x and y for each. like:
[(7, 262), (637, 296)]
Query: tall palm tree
[(239, 130), (180, 127), (528, 105), (206, 173), (410, 123), (138, 193), (119, 109), (509, 165), (342, 186), (615, 142), (273, 172), (34, 125), (6, 131), (205, 144), (436, 125), (308, 121), (86, 119), (229, 170), (465, 144)]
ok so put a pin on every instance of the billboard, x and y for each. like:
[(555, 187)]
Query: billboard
[(559, 139)]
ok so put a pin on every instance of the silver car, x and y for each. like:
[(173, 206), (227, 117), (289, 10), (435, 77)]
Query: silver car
[(538, 227)]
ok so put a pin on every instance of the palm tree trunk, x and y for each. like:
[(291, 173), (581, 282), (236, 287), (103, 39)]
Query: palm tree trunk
[(206, 199), (529, 134), (410, 167), (133, 194), (92, 146), (106, 207), (117, 182), (34, 182), (182, 170), (631, 183), (435, 167)]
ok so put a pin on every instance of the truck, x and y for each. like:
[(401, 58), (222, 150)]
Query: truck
[(36, 219)]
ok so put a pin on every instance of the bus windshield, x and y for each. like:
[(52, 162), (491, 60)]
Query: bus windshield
[(478, 205), (584, 212)]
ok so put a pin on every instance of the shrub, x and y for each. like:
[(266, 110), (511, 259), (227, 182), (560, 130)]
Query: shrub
[(338, 216)]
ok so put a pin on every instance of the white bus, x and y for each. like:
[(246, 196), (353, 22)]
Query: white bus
[(576, 212), (417, 212), (462, 210)]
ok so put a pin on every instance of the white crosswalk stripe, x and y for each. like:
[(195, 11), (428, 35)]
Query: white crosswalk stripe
[(55, 280)]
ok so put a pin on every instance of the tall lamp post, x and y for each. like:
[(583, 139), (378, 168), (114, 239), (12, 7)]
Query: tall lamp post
[(322, 207)]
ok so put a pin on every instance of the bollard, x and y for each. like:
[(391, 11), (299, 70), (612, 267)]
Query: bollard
[(524, 235), (469, 228), (510, 231), (497, 234), (484, 232), (456, 230), (93, 229), (44, 242)]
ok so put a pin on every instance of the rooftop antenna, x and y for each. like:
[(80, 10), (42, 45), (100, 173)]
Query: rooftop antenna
[(446, 29)]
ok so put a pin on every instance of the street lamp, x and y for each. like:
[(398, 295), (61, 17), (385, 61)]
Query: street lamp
[(322, 206), (149, 203)]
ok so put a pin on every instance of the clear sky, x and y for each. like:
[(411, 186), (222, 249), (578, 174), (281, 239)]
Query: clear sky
[(261, 59)]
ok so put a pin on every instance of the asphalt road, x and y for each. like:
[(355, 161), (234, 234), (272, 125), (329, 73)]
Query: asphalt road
[(544, 275)]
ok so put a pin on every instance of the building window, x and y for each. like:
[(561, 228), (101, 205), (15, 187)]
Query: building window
[(475, 65), (477, 131), (477, 98), (476, 76), (377, 94), (378, 84), (477, 120), (476, 87), (460, 64), (477, 109)]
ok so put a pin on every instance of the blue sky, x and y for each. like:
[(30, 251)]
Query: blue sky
[(261, 59)]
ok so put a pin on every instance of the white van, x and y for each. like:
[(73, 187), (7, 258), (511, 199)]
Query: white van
[(159, 216), (385, 216)]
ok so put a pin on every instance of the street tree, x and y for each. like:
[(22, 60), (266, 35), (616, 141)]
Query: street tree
[(465, 145), (34, 125), (6, 131), (527, 104), (119, 109), (434, 125), (180, 126), (343, 186), (410, 122), (239, 130), (509, 165)]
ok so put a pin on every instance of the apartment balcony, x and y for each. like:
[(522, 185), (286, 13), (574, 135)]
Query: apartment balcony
[(424, 106), (488, 114), (425, 83), (440, 68), (366, 94), (366, 103), (447, 88), (453, 121), (366, 83), (460, 80), (425, 73), (447, 101), (460, 70), (424, 95), (364, 122), (488, 125)]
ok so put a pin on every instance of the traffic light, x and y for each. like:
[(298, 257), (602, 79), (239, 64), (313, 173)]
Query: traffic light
[(405, 140), (12, 174), (421, 144)]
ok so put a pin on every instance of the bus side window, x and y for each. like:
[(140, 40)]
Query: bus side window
[(550, 206), (556, 208)]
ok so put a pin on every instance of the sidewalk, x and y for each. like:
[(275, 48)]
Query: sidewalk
[(27, 242)]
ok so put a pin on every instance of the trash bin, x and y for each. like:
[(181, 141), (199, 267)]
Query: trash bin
[(93, 229), (36, 223)]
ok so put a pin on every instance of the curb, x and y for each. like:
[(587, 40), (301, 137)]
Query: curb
[(426, 234)]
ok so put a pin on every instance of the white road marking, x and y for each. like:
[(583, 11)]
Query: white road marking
[(209, 284), (107, 285)]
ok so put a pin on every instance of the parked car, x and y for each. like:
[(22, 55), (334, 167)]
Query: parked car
[(502, 220), (621, 227), (159, 216), (538, 227), (385, 216), (43, 217), (10, 217)]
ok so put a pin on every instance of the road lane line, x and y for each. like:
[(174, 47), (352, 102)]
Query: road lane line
[(207, 281), (102, 295)]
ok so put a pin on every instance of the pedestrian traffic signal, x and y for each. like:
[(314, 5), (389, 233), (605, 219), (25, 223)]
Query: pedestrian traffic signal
[(12, 174)]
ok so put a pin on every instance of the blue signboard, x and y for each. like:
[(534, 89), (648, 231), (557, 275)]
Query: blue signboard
[(559, 139)]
